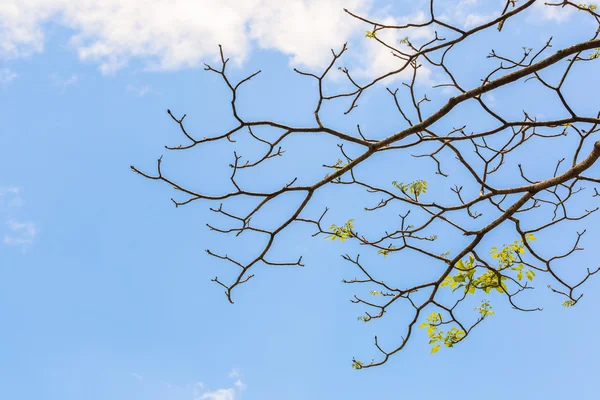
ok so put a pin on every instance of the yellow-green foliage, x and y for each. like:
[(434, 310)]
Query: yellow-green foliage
[(485, 309), (454, 335), (490, 279), (590, 7), (341, 232), (339, 164), (507, 258), (417, 187), (385, 252)]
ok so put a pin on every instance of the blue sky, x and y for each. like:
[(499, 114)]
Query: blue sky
[(105, 288)]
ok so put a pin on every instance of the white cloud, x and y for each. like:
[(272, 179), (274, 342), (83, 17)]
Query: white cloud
[(21, 233), (6, 76), (474, 19), (194, 390), (306, 30), (541, 12), (20, 26), (219, 394), (171, 35), (464, 11), (380, 58), (222, 394)]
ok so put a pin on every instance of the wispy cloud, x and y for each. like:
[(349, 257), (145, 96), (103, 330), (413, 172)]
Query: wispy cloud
[(72, 80), (137, 376), (234, 373), (10, 196), (7, 76), (474, 19), (20, 233), (240, 385), (490, 99), (64, 83), (17, 231), (140, 91), (467, 11), (382, 61), (541, 12), (4, 190), (231, 393), (219, 394), (193, 390)]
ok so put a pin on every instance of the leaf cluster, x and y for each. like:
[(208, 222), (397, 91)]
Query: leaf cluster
[(453, 336), (416, 187), (341, 232)]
